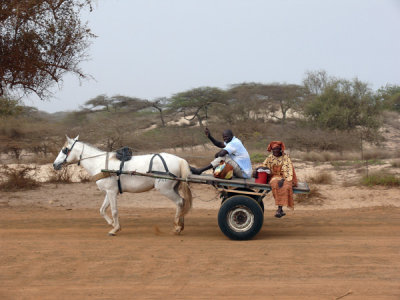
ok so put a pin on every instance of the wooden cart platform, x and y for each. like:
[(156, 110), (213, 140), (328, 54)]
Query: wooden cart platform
[(302, 187)]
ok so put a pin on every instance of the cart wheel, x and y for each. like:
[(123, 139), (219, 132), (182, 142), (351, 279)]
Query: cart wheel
[(240, 217)]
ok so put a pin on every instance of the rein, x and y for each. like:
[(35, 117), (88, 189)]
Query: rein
[(80, 158)]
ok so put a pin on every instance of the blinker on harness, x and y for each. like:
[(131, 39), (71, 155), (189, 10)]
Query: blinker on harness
[(67, 151)]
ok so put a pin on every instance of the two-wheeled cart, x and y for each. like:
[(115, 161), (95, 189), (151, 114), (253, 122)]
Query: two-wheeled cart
[(241, 214)]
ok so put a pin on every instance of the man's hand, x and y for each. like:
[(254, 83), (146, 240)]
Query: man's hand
[(207, 132), (280, 182)]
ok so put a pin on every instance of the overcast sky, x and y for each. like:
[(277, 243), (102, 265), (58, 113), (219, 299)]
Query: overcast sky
[(155, 48)]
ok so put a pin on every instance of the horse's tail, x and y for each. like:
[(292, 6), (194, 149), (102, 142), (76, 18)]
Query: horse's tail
[(187, 193)]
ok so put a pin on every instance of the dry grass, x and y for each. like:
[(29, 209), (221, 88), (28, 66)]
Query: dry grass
[(14, 179), (376, 154), (356, 164), (315, 157), (395, 164), (42, 160), (62, 176), (68, 174), (198, 157), (325, 156), (321, 178), (372, 155), (83, 178), (314, 197), (392, 119)]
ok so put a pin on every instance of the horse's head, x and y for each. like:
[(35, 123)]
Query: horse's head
[(67, 154)]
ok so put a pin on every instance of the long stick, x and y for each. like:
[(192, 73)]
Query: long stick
[(213, 181), (152, 175)]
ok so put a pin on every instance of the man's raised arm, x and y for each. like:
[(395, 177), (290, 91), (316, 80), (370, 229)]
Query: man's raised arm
[(214, 141)]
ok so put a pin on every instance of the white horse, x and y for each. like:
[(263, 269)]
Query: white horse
[(93, 160)]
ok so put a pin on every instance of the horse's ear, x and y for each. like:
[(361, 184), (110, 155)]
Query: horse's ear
[(77, 137), (68, 139)]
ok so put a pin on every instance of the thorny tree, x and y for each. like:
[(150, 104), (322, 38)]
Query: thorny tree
[(195, 103), (40, 41), (160, 104)]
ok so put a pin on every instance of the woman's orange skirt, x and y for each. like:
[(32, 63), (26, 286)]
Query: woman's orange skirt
[(284, 195)]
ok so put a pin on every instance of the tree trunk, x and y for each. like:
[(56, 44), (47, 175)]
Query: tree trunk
[(161, 117), (200, 121)]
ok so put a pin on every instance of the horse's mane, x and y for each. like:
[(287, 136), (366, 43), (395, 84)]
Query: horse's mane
[(113, 153), (92, 146)]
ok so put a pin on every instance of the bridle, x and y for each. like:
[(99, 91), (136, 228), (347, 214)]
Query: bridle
[(67, 151)]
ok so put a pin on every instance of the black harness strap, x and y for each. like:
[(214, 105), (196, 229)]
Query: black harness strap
[(119, 176), (125, 155), (167, 172)]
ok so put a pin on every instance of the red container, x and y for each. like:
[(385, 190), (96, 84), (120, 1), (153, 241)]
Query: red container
[(262, 177)]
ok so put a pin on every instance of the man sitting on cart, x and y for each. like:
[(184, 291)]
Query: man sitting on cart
[(283, 177), (233, 152)]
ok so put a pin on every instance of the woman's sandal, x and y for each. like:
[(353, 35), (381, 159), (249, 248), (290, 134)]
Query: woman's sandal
[(280, 214)]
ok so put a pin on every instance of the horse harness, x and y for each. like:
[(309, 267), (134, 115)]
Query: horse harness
[(124, 154), (67, 151), (166, 172)]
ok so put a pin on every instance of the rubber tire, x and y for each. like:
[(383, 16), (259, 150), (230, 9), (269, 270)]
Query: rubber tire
[(231, 194), (236, 202)]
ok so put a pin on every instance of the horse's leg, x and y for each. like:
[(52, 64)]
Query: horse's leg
[(179, 215), (103, 211), (172, 193), (112, 199)]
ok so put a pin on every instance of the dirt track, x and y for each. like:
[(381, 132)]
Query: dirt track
[(49, 253)]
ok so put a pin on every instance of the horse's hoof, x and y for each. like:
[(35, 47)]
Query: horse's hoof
[(177, 231), (114, 232)]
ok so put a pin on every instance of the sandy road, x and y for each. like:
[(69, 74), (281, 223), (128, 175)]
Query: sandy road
[(65, 254)]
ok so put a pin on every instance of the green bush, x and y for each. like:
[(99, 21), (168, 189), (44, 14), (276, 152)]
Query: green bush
[(257, 157), (380, 178)]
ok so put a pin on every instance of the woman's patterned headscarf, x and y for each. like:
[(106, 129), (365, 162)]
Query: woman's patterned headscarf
[(274, 144)]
